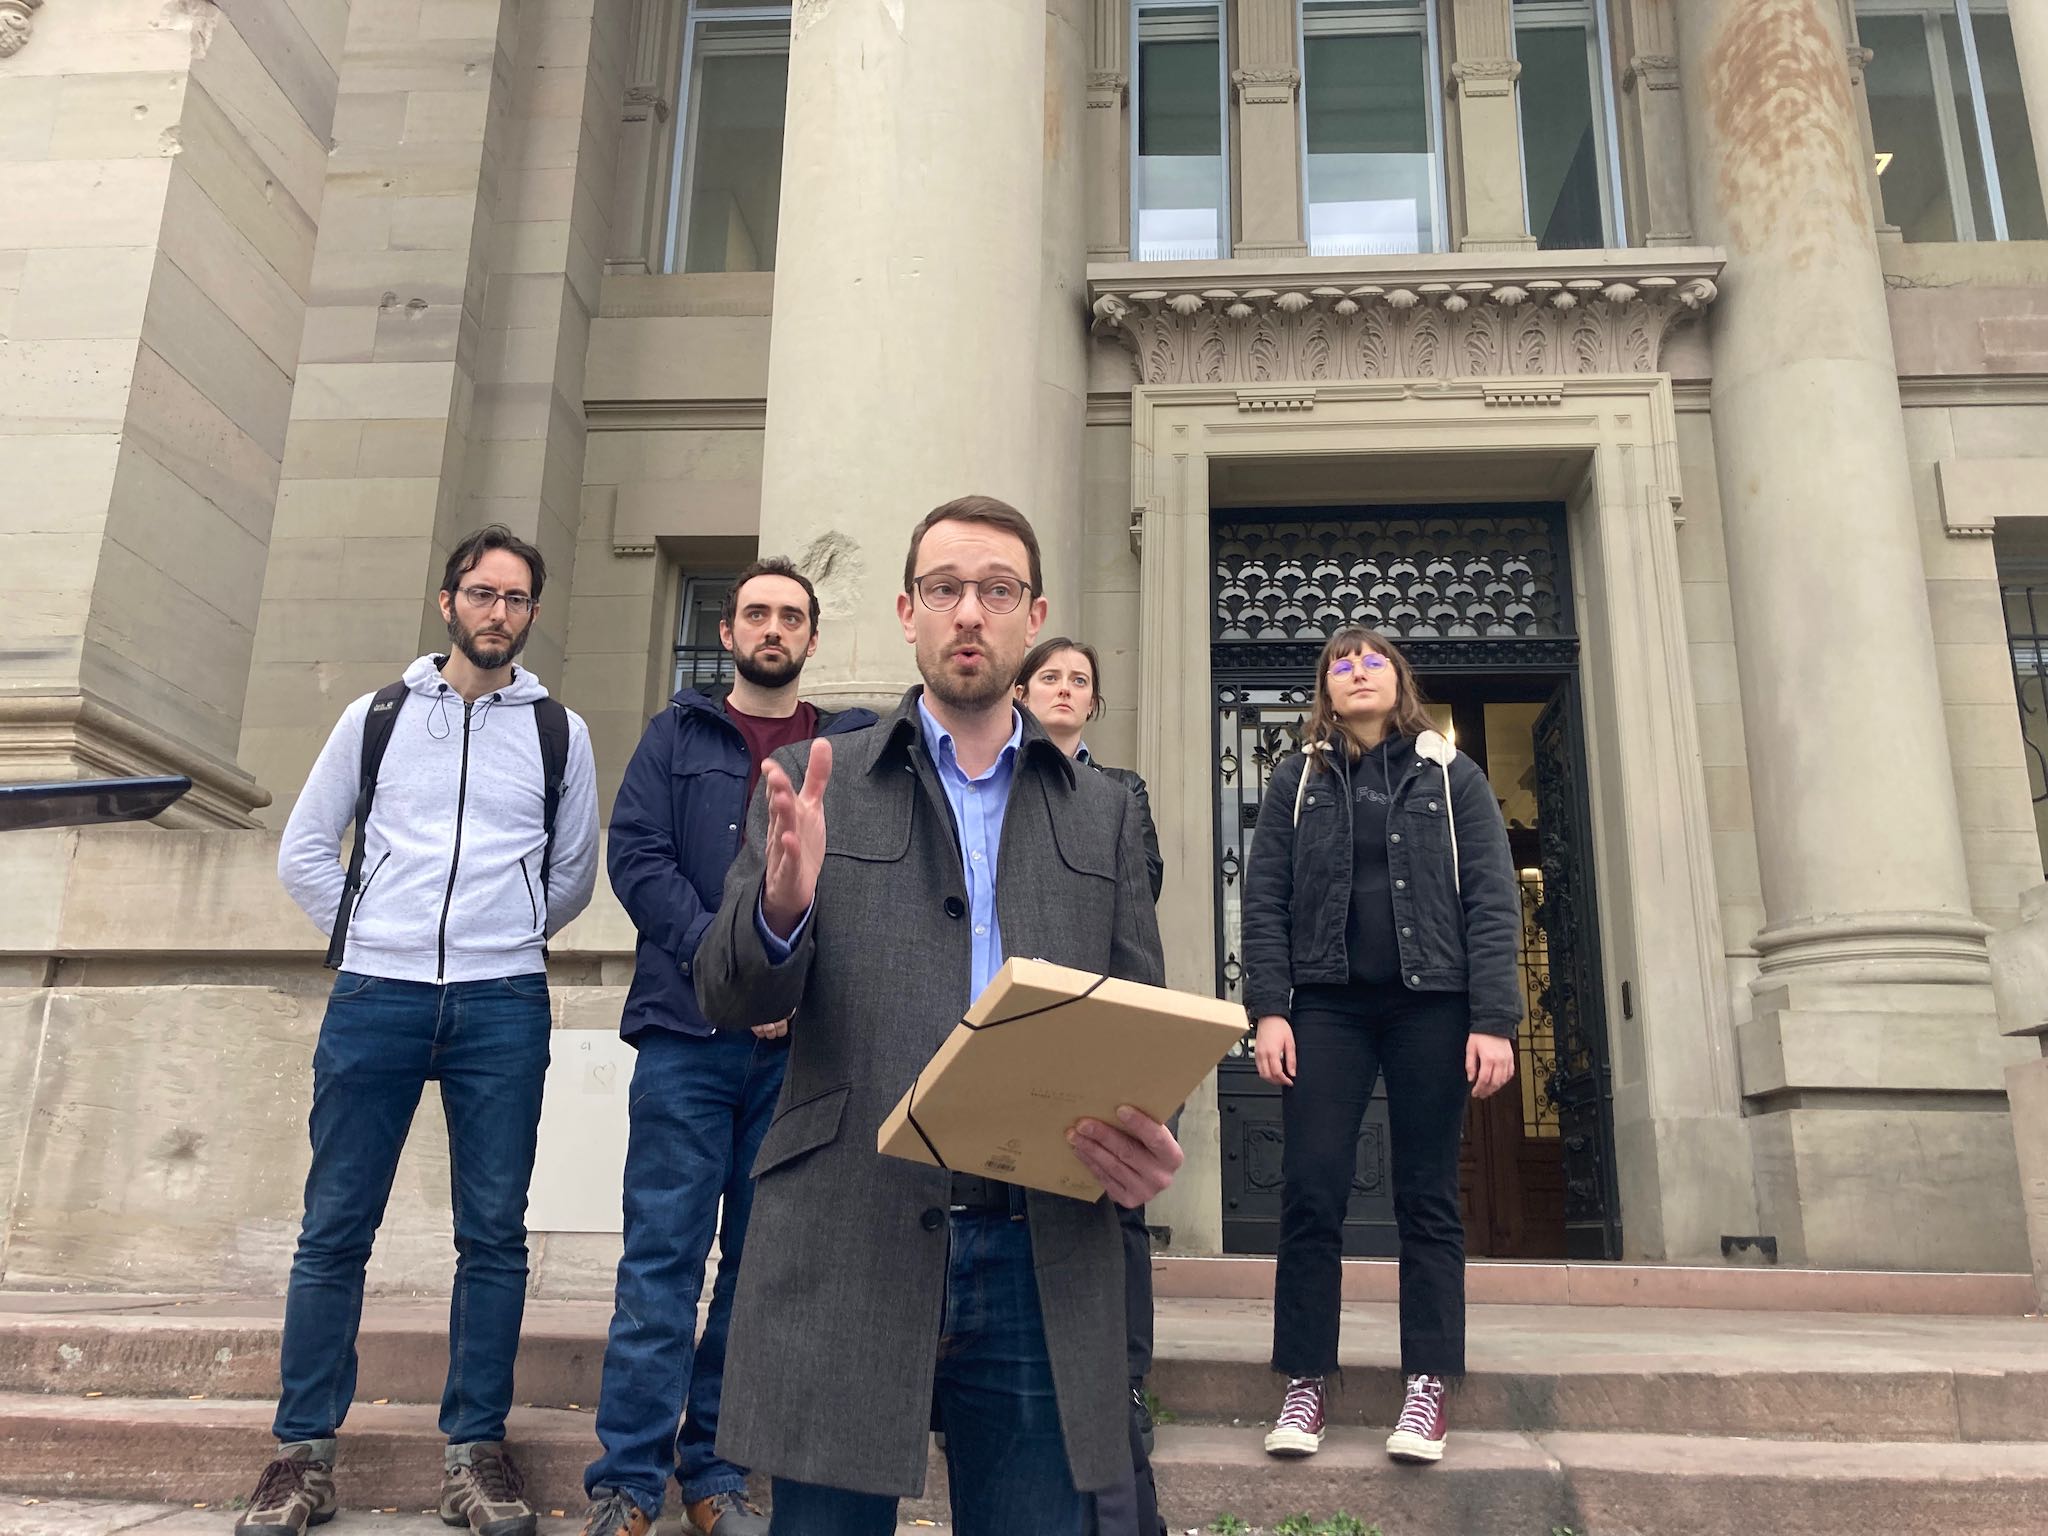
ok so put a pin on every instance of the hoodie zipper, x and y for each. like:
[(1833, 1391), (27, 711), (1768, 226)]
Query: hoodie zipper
[(454, 858)]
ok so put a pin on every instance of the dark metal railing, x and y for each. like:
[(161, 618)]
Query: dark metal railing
[(2026, 631), (702, 666)]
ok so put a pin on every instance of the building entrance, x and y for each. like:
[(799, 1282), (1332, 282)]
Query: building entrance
[(1479, 598)]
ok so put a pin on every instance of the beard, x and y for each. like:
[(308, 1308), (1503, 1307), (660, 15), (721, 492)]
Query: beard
[(486, 653), (970, 692), (766, 668)]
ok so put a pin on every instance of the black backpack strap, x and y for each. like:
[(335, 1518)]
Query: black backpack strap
[(377, 726), (551, 720)]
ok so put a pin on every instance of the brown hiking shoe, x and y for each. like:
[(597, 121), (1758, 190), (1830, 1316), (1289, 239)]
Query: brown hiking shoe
[(296, 1490), (613, 1514), (727, 1514), (487, 1494)]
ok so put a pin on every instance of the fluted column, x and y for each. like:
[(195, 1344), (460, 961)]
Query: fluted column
[(919, 269), (1489, 127), (1652, 124), (1268, 85), (1107, 130), (1873, 1045), (646, 138), (2030, 41)]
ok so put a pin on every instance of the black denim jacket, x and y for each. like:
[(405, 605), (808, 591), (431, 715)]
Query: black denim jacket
[(1459, 929)]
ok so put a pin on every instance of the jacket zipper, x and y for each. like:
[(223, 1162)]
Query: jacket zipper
[(363, 890), (532, 905), (455, 858)]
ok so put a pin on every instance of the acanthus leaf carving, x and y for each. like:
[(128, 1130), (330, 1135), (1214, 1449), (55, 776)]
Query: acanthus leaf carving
[(1516, 324), (17, 22)]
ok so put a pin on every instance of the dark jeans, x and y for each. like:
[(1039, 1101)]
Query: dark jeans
[(992, 1396), (698, 1110), (486, 1043), (1418, 1040)]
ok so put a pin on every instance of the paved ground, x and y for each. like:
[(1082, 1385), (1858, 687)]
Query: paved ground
[(93, 1517)]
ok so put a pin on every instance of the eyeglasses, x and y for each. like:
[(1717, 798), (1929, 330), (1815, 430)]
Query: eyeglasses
[(484, 599), (999, 594), (1367, 661)]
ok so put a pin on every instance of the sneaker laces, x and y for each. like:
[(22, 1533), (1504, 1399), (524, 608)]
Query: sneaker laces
[(1303, 1395), (283, 1479), (497, 1478), (1419, 1412), (609, 1515)]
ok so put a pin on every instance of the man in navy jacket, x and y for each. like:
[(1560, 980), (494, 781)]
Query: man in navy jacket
[(700, 1101)]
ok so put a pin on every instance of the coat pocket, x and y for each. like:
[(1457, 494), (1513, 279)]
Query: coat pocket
[(803, 1128)]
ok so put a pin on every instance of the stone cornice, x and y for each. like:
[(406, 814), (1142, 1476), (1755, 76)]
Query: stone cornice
[(17, 21), (1430, 318)]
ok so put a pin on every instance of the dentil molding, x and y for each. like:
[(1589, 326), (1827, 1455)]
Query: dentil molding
[(1524, 321), (17, 21)]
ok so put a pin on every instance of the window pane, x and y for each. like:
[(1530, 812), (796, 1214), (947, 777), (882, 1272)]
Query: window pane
[(2019, 178), (1372, 163), (1966, 123), (738, 87), (1560, 141), (1906, 125), (1181, 206)]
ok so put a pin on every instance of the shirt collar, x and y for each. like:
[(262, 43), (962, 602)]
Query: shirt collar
[(1081, 754), (939, 741)]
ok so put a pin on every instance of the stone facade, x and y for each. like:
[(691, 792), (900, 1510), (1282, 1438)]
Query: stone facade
[(294, 292)]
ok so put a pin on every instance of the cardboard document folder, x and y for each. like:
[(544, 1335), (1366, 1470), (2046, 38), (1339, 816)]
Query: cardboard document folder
[(1042, 1047)]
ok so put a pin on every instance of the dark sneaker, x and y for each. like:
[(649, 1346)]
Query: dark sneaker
[(487, 1494), (615, 1515), (1420, 1434), (1299, 1429), (727, 1514), (1141, 1417), (296, 1490)]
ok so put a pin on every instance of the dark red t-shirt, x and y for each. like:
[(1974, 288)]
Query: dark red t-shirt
[(766, 735)]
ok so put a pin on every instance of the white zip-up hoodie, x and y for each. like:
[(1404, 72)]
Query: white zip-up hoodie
[(451, 872)]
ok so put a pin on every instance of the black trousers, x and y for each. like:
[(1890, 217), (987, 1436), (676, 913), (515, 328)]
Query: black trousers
[(1418, 1040), (1137, 1292)]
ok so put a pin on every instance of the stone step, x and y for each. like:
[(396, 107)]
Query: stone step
[(1533, 1369), (1493, 1484)]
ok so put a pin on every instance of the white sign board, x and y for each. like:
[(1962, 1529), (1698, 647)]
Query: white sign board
[(579, 1170)]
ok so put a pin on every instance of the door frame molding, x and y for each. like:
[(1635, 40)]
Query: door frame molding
[(1605, 445)]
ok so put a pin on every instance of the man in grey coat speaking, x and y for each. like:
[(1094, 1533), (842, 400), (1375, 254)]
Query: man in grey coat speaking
[(886, 876)]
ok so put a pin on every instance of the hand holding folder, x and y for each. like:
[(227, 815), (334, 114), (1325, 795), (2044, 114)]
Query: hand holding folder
[(1043, 1047)]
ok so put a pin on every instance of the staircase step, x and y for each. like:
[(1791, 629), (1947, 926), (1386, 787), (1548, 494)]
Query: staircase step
[(1492, 1484), (1534, 1369)]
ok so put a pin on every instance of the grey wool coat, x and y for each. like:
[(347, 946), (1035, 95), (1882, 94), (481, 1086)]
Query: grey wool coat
[(835, 1332)]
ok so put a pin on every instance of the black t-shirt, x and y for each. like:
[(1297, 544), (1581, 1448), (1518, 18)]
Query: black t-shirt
[(1369, 939)]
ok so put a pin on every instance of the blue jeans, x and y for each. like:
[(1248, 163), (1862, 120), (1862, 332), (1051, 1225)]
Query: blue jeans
[(698, 1110), (992, 1395), (486, 1043)]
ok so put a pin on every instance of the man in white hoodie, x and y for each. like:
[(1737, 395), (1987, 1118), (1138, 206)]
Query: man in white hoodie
[(443, 977)]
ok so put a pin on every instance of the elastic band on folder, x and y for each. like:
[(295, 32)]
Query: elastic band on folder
[(1035, 1012)]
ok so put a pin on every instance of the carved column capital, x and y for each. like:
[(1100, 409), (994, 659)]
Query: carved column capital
[(1266, 87), (1486, 77), (1653, 71), (1859, 60), (1108, 87), (17, 21), (642, 102)]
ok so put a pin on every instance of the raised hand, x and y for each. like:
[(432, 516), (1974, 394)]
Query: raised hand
[(796, 840)]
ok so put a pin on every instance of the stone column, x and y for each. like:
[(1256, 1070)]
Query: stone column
[(1652, 124), (161, 172), (1488, 127), (913, 291), (1269, 169), (1108, 131), (647, 138), (376, 460), (2019, 979), (2030, 43), (1871, 1063)]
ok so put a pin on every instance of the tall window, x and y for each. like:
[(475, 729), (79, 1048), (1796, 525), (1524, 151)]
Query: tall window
[(701, 662), (1568, 163), (1953, 153), (1180, 203), (728, 187), (1374, 127)]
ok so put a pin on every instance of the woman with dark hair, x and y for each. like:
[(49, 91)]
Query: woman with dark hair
[(1381, 925), (1059, 683)]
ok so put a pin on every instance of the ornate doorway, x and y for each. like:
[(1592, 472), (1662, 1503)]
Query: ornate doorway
[(1480, 598)]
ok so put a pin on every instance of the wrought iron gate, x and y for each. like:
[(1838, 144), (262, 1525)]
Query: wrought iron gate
[(1471, 593)]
